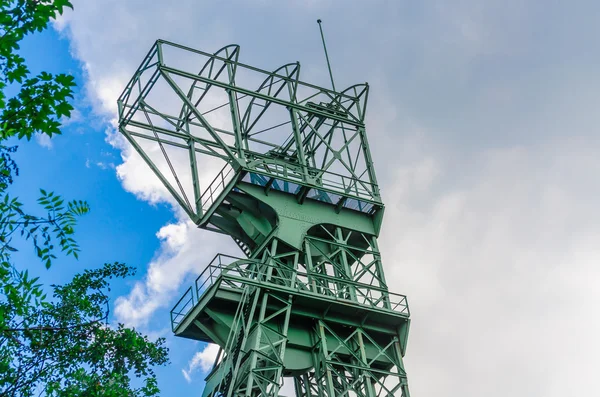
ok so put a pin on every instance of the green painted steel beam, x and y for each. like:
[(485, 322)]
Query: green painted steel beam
[(169, 70), (300, 198)]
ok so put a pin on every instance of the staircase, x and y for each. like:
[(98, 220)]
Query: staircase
[(231, 364), (243, 246)]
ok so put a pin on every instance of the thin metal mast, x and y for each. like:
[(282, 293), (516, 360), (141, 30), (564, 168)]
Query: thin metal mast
[(326, 56)]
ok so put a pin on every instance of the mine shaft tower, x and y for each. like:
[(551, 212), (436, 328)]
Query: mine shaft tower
[(296, 190)]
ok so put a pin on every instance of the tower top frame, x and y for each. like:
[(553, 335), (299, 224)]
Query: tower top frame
[(240, 121)]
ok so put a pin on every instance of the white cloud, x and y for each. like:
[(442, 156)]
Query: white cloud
[(76, 117), (498, 270), (177, 257), (202, 360), (44, 140), (136, 176), (288, 389), (105, 166), (482, 131)]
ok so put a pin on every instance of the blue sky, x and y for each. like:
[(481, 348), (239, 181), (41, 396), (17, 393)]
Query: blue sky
[(483, 124), (80, 164)]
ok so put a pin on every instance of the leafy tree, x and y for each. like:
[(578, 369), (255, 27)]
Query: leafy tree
[(42, 99), (64, 347), (60, 345)]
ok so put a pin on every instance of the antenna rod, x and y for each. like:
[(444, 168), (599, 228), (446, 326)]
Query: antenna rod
[(326, 56)]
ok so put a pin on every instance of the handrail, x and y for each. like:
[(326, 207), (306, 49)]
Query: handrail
[(208, 275), (235, 273), (316, 171), (347, 186), (215, 188), (182, 308)]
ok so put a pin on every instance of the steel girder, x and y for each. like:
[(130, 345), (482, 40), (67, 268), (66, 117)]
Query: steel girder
[(296, 189), (317, 134), (326, 305)]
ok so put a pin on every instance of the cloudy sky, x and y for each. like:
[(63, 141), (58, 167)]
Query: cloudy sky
[(483, 127)]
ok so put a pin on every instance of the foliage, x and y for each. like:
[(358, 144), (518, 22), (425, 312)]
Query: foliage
[(41, 100), (60, 345), (74, 352), (59, 223)]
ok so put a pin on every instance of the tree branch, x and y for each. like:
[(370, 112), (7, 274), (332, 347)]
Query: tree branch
[(46, 328)]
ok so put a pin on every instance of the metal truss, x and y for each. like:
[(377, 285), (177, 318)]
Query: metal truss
[(256, 344), (345, 369), (352, 358), (284, 168), (268, 122)]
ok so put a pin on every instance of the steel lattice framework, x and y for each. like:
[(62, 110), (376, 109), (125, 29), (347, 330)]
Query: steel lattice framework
[(296, 190)]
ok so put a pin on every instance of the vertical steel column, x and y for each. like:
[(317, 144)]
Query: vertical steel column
[(339, 238), (234, 109)]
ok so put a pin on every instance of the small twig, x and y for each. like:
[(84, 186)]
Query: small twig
[(46, 328)]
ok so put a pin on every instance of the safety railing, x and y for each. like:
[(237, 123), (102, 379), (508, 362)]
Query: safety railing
[(216, 187), (182, 308), (234, 273), (213, 271), (359, 188), (333, 188), (207, 278)]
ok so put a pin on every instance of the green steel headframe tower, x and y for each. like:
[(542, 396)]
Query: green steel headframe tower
[(296, 190)]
